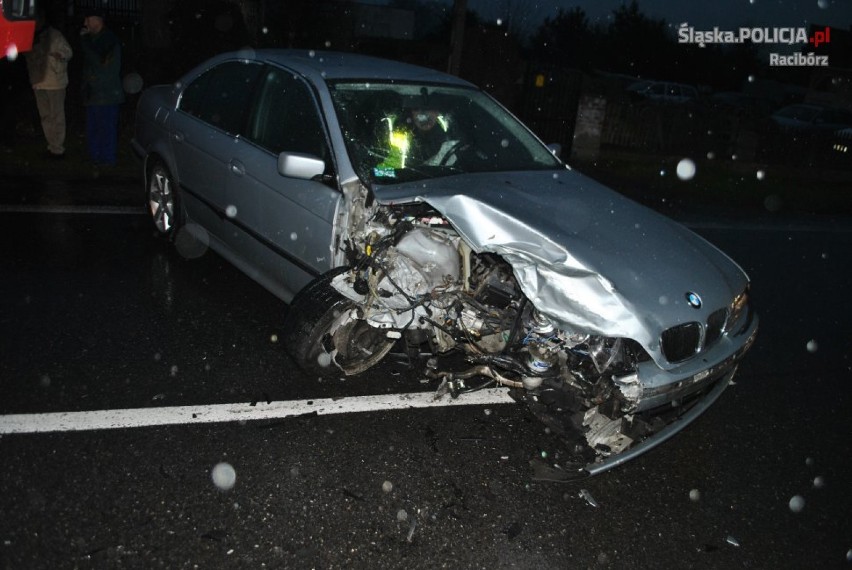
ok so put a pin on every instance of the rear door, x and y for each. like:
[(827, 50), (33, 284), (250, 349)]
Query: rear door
[(211, 112)]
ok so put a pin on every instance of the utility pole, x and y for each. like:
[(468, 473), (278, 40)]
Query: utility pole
[(457, 36)]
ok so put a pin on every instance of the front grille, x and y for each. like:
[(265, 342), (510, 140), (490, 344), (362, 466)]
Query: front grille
[(715, 324), (681, 342)]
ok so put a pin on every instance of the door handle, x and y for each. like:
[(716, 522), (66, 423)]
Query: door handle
[(237, 167)]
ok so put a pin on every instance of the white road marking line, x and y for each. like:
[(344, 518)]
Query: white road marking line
[(42, 209), (178, 415)]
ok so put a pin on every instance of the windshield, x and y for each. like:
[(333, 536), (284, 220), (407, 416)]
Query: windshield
[(398, 132)]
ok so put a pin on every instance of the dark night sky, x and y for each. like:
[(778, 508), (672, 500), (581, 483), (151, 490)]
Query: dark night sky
[(726, 14)]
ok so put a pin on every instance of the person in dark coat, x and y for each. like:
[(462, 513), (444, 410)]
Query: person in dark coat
[(102, 89)]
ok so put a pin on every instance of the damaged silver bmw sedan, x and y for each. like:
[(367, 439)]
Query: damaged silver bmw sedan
[(395, 205)]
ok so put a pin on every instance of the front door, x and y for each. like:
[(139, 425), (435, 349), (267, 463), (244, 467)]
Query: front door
[(282, 226)]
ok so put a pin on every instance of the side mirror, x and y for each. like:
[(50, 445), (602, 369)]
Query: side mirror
[(298, 165)]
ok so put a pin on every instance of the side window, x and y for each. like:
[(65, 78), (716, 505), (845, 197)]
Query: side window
[(193, 96), (285, 117), (221, 96)]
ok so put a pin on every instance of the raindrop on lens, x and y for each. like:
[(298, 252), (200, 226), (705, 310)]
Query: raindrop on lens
[(797, 503), (685, 169), (247, 53), (312, 53), (273, 338), (224, 476), (223, 22), (694, 495), (387, 486), (812, 346), (772, 203), (231, 211), (132, 83), (327, 43), (401, 515), (822, 4), (294, 236), (760, 174), (819, 482), (711, 155), (504, 143), (192, 241), (324, 359)]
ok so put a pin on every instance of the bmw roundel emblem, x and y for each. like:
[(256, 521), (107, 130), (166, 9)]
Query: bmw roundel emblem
[(693, 300)]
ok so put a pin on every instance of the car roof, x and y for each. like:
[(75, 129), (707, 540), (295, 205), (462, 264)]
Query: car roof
[(804, 106), (330, 66)]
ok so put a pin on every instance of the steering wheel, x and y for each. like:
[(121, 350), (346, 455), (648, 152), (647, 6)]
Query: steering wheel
[(454, 152)]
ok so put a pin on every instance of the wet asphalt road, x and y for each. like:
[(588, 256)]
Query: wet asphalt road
[(96, 314)]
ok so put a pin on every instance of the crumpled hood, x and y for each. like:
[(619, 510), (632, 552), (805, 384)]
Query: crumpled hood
[(585, 255)]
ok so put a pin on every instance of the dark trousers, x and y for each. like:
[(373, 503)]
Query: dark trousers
[(102, 132)]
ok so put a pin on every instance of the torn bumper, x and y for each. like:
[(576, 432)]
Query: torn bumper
[(667, 432), (716, 378)]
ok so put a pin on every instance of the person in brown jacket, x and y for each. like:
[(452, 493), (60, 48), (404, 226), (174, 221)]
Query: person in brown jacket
[(47, 64)]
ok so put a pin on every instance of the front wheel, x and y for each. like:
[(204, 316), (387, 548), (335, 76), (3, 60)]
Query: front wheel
[(325, 335)]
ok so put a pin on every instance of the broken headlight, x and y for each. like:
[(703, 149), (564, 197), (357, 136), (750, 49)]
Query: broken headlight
[(737, 311)]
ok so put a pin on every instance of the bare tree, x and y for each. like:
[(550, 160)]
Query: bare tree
[(457, 36), (521, 17)]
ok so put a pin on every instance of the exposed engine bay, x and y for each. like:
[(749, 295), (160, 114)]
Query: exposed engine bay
[(415, 282)]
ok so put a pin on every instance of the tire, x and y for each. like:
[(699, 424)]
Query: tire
[(322, 336), (163, 200)]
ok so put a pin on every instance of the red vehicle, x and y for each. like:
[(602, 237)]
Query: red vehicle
[(17, 26)]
